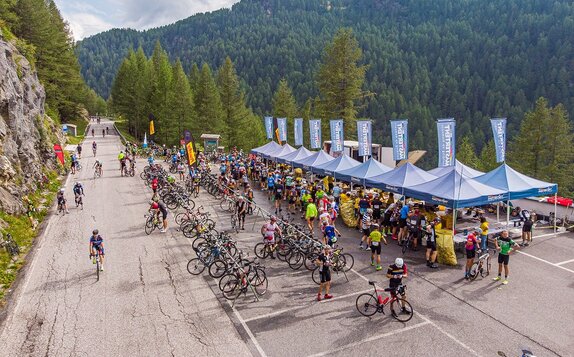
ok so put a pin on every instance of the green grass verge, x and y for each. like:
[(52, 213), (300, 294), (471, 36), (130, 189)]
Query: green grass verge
[(122, 126), (81, 125), (21, 230)]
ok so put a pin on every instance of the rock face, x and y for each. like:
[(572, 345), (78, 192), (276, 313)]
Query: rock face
[(25, 131)]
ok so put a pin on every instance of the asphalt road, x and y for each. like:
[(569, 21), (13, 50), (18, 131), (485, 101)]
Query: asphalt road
[(146, 304)]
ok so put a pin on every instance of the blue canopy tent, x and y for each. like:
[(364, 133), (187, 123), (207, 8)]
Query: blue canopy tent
[(358, 174), (332, 167), (284, 150), (466, 171), (456, 191), (269, 147), (404, 176), (318, 158), (516, 184), (298, 154)]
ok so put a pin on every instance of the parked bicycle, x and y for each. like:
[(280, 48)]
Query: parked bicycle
[(369, 304), (482, 264)]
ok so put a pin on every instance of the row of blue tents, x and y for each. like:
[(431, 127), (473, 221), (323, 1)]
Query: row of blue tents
[(455, 186)]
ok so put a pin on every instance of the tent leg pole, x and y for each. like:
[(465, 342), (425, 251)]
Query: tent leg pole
[(555, 211), (498, 212), (507, 213), (453, 222)]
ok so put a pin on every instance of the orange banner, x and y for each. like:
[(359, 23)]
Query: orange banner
[(151, 128), (190, 153)]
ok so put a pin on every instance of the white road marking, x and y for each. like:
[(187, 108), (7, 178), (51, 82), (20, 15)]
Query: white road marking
[(549, 234), (546, 261), (372, 338), (248, 330), (565, 262), (462, 344)]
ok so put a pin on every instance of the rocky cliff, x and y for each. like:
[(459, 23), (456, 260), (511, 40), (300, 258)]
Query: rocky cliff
[(26, 133)]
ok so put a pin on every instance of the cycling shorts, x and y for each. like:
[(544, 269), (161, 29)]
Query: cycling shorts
[(376, 248), (402, 222), (325, 275), (99, 249), (431, 245), (163, 213), (470, 254), (503, 259)]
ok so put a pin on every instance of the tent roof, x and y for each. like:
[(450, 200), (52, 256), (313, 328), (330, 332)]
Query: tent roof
[(466, 171), (403, 176), (298, 154), (456, 188), (318, 158), (359, 173), (269, 147), (283, 150), (330, 168), (518, 185)]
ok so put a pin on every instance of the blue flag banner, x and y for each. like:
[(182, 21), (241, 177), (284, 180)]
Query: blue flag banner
[(282, 126), (364, 137), (298, 131), (499, 133), (446, 142), (336, 135), (400, 134), (269, 127), (315, 131)]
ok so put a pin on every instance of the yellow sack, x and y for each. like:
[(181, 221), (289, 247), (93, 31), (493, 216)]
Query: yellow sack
[(445, 248), (347, 212)]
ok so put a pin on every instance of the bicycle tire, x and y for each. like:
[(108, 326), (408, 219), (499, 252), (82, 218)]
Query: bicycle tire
[(231, 288), (217, 268), (223, 204), (367, 304), (195, 266), (484, 273), (473, 272), (310, 261), (196, 242), (231, 249), (259, 282), (225, 278), (149, 227), (260, 251), (349, 262), (296, 260), (316, 276), (180, 218), (97, 268), (396, 310), (283, 251)]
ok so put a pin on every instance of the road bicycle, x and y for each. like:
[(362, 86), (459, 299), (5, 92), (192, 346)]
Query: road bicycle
[(97, 173), (96, 259), (369, 304), (10, 245), (482, 265), (339, 263), (61, 208), (235, 222), (407, 243), (79, 201), (94, 149), (152, 222)]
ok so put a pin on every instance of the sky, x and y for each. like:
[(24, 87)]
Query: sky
[(89, 17)]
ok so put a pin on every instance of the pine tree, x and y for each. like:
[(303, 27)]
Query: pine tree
[(558, 150), (194, 76), (340, 78), (284, 106), (466, 153), (180, 101), (207, 105), (160, 84), (487, 161)]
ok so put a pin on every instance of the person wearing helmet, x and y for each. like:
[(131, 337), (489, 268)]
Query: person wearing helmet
[(403, 227), (366, 222), (78, 193), (330, 233), (268, 230), (375, 238), (241, 211), (97, 245), (310, 215), (396, 272), (98, 168), (431, 251), (94, 146), (470, 247), (157, 207), (278, 187), (62, 201), (377, 205), (323, 262)]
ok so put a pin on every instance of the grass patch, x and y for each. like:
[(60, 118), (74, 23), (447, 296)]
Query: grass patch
[(21, 230), (122, 126), (81, 125)]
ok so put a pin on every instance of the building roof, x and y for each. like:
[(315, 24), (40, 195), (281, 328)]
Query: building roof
[(210, 136)]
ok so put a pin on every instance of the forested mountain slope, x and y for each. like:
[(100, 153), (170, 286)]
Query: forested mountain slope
[(467, 59)]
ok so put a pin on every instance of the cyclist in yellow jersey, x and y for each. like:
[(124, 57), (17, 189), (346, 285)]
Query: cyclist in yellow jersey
[(375, 238)]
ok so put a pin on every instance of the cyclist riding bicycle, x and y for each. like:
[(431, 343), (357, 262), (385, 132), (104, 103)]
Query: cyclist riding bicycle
[(98, 167), (97, 245), (62, 200), (78, 193), (268, 230)]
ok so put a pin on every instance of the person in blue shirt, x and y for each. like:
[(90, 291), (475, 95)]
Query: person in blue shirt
[(150, 160), (337, 192), (330, 234), (270, 186), (222, 168), (97, 244), (404, 214)]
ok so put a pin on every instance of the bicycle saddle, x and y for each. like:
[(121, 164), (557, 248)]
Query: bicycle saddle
[(372, 282)]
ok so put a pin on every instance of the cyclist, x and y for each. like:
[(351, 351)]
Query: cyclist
[(324, 261), (241, 211), (62, 200), (79, 149), (377, 207), (104, 133), (94, 147), (270, 185), (375, 238), (330, 234), (268, 231), (311, 214), (122, 160), (92, 132), (156, 208), (278, 196), (97, 244), (74, 161), (431, 251), (366, 228), (471, 243), (396, 272), (78, 193), (250, 196), (107, 130), (98, 167), (404, 214), (505, 246)]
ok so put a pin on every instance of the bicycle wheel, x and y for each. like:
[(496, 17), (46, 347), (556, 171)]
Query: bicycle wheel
[(189, 231), (260, 282), (349, 262), (473, 273), (402, 310), (367, 304), (180, 217), (149, 226), (217, 269), (231, 288), (283, 251), (261, 251), (97, 268), (316, 276), (225, 278), (223, 204), (195, 266), (406, 244), (310, 261), (171, 201), (296, 260)]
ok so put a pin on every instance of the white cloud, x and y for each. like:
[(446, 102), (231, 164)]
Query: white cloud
[(89, 17)]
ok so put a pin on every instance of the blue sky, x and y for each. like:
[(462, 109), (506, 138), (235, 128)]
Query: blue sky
[(89, 17)]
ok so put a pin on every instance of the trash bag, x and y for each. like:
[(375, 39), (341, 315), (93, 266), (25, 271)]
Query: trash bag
[(445, 248), (347, 212)]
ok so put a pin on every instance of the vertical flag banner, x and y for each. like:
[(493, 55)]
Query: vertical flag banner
[(282, 126), (364, 137), (499, 133), (400, 134), (59, 153), (151, 125), (298, 131), (190, 153), (269, 127), (336, 135), (446, 142), (186, 136), (315, 131)]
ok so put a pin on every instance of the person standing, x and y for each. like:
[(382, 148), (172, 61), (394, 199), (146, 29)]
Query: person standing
[(470, 247), (505, 246), (483, 234), (366, 222), (311, 214), (527, 232), (324, 261), (377, 207), (431, 252), (375, 238)]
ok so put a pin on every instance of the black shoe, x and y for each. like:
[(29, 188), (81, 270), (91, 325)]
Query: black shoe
[(428, 263), (433, 266)]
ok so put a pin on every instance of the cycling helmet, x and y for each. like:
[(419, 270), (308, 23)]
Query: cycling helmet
[(62, 190), (78, 183), (399, 262), (240, 198), (273, 218), (375, 225), (369, 210), (95, 231)]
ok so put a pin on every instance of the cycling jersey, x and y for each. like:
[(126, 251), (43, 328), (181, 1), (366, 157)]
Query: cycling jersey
[(396, 274), (329, 232), (375, 236), (270, 182), (470, 242), (78, 189), (96, 241), (505, 245), (269, 230)]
